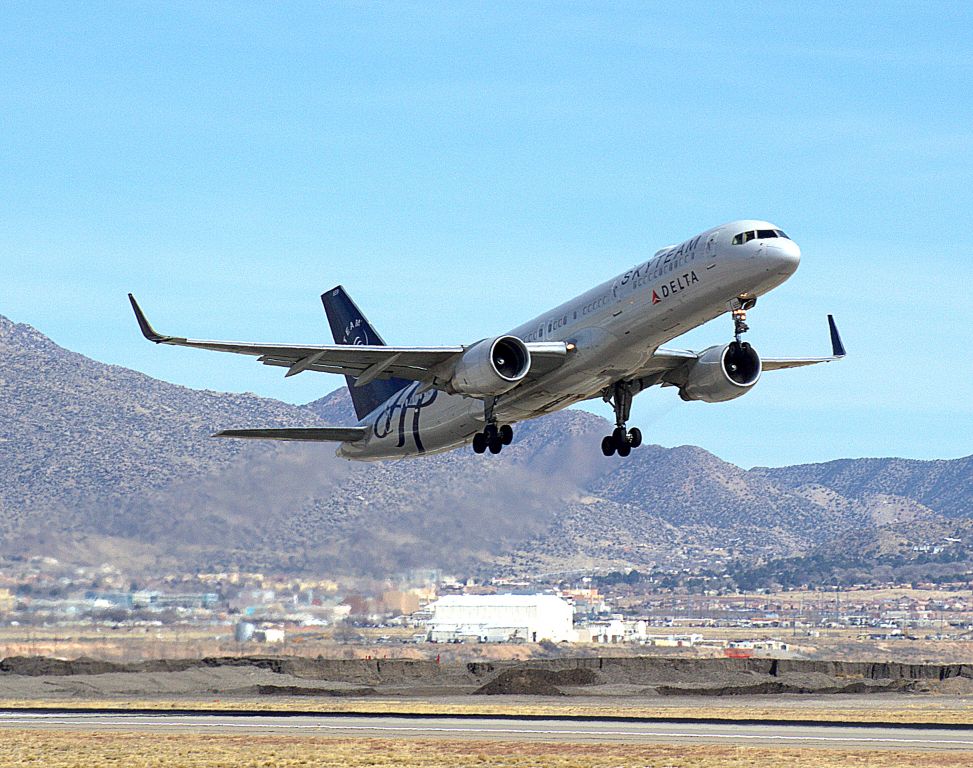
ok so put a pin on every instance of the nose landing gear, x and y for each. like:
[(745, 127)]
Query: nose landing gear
[(738, 310), (621, 440)]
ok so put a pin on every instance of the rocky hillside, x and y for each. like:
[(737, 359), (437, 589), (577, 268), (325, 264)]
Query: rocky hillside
[(944, 486), (102, 463)]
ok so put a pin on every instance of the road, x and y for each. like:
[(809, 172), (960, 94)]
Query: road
[(840, 736)]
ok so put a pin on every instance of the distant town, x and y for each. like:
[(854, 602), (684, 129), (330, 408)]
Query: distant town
[(50, 608)]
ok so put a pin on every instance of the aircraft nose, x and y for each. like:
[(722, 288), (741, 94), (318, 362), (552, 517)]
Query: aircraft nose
[(785, 255)]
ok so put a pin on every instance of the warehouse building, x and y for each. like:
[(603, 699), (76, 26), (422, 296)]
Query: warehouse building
[(500, 618)]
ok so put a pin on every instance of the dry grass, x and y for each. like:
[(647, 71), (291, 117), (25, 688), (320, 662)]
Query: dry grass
[(952, 710), (59, 749)]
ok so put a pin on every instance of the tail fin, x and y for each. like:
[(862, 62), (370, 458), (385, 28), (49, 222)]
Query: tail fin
[(349, 326)]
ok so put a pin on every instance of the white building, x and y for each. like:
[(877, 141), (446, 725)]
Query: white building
[(500, 618)]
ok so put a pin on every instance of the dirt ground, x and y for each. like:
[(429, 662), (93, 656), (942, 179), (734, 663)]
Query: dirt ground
[(65, 750), (646, 686)]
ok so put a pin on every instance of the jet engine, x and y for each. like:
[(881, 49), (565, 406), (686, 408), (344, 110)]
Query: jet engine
[(722, 373), (491, 367)]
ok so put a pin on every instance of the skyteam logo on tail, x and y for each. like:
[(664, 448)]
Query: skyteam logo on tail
[(355, 333)]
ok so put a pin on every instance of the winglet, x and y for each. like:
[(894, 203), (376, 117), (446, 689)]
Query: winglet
[(837, 347), (147, 330)]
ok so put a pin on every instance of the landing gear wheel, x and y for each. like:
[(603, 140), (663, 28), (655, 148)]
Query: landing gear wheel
[(506, 433), (479, 443), (620, 438), (490, 431), (496, 445)]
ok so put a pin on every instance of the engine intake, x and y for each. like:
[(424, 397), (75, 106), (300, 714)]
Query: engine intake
[(722, 373), (491, 367)]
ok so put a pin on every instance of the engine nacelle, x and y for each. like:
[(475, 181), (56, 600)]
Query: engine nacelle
[(491, 367), (722, 373)]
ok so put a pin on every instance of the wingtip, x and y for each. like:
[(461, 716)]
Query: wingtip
[(837, 346), (147, 330)]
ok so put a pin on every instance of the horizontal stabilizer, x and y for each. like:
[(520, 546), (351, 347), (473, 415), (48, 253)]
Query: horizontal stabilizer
[(310, 434)]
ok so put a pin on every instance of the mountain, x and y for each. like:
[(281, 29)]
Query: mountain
[(944, 486), (99, 463)]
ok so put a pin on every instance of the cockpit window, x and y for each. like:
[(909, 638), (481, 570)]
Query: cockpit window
[(746, 237)]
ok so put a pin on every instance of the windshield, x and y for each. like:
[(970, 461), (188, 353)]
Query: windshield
[(758, 234)]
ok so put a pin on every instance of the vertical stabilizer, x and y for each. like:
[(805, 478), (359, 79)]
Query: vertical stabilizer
[(349, 326)]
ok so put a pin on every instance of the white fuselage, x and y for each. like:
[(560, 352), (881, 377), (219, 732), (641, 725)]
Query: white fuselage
[(615, 328)]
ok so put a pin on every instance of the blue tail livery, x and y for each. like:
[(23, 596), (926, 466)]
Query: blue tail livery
[(349, 326)]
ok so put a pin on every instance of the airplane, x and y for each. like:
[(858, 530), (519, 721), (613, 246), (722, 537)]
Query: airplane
[(607, 343)]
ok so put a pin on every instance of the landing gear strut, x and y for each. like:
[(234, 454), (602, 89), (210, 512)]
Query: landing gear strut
[(621, 440), (738, 310), (492, 437)]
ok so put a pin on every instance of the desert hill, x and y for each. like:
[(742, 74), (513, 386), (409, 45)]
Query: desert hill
[(100, 463)]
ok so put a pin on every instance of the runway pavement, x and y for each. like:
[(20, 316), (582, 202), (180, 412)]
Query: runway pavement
[(840, 736)]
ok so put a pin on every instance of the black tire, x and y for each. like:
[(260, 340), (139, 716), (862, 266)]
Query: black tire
[(479, 443), (620, 436), (506, 433), (495, 445), (635, 437), (624, 450), (608, 445), (490, 431)]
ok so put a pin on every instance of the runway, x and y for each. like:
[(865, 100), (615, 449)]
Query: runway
[(834, 736)]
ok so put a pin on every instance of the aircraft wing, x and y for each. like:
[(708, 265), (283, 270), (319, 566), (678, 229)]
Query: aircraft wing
[(837, 353), (364, 362), (666, 365)]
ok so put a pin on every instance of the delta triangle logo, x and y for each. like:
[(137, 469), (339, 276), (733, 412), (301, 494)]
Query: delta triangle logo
[(655, 298)]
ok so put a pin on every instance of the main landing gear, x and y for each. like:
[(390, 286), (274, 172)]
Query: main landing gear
[(492, 437), (621, 440)]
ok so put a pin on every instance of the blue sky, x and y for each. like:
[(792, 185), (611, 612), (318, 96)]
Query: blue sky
[(460, 167)]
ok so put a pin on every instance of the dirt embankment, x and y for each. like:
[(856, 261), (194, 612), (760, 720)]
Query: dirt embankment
[(537, 682), (631, 676)]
